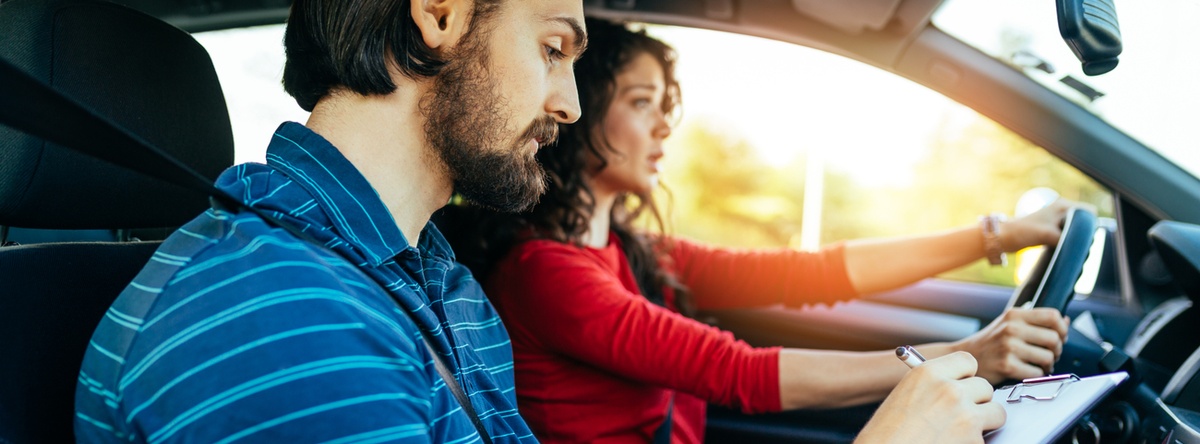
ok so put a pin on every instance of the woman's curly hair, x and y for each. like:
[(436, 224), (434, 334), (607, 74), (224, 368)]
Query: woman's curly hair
[(562, 214)]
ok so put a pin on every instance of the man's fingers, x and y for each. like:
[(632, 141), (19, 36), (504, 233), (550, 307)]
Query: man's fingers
[(991, 415), (977, 390), (954, 366)]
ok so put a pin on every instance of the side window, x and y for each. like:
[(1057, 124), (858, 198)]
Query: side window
[(783, 146), (786, 146), (249, 62)]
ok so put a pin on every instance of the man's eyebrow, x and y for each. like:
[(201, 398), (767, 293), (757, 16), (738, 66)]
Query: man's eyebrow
[(580, 43)]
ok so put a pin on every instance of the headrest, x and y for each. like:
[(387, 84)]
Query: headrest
[(139, 72)]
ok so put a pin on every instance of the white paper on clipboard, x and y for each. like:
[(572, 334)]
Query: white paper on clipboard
[(1044, 410)]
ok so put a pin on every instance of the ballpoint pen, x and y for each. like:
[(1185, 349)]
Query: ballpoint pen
[(909, 356)]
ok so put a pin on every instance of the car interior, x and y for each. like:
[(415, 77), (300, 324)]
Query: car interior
[(102, 55), (82, 209)]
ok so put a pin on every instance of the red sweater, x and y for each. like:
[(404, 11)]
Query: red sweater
[(597, 362)]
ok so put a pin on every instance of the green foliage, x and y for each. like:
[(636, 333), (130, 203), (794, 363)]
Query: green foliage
[(724, 193)]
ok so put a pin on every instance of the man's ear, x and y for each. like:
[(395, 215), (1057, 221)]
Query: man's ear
[(442, 22)]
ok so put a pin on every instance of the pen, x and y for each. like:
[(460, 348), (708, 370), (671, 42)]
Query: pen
[(909, 356)]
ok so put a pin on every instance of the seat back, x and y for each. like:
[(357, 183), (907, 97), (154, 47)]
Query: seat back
[(141, 74), (46, 320)]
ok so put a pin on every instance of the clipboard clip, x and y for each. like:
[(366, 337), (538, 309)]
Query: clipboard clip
[(1045, 388)]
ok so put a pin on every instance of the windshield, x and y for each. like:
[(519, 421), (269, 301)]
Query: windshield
[(1152, 94)]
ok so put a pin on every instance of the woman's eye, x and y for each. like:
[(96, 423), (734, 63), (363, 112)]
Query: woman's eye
[(641, 103)]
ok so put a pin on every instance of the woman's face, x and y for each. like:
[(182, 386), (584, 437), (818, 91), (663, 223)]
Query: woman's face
[(635, 128)]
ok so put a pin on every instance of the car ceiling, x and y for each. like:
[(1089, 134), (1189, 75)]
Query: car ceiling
[(876, 30)]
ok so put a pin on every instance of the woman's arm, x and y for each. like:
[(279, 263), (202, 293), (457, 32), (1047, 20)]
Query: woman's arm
[(722, 278), (1020, 344), (875, 265), (828, 379)]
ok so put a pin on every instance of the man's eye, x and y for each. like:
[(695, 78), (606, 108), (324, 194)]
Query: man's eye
[(554, 54)]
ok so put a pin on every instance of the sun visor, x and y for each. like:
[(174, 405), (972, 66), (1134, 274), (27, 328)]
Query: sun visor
[(849, 16)]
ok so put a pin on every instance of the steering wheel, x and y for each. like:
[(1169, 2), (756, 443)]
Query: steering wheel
[(1052, 282)]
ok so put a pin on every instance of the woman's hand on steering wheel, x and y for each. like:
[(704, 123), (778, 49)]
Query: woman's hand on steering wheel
[(1020, 343), (1042, 227), (1024, 343)]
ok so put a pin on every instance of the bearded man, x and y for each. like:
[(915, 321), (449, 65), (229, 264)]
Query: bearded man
[(240, 329)]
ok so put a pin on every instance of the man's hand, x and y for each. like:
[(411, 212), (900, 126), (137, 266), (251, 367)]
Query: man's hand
[(1021, 343), (939, 401)]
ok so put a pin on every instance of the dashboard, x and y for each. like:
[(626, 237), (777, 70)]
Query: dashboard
[(1161, 401)]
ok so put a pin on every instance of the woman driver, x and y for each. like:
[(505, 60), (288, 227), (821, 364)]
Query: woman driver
[(598, 311)]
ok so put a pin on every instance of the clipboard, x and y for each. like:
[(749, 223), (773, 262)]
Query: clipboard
[(1040, 409)]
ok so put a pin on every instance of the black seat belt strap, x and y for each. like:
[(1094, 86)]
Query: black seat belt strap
[(38, 110), (457, 391), (662, 435)]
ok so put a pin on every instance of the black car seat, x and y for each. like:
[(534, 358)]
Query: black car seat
[(140, 73)]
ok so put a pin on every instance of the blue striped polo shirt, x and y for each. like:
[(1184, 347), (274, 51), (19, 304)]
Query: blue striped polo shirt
[(237, 331)]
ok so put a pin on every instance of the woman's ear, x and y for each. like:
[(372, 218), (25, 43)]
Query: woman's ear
[(442, 22)]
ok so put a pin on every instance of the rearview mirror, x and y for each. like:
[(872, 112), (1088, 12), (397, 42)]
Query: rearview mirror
[(1090, 28)]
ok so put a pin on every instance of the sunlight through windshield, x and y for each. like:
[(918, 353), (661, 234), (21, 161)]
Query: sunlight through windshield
[(1152, 94)]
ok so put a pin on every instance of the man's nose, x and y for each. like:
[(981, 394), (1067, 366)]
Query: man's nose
[(563, 102)]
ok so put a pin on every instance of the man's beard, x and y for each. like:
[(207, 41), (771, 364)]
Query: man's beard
[(466, 125)]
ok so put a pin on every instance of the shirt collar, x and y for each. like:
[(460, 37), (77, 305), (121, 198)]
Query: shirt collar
[(350, 203)]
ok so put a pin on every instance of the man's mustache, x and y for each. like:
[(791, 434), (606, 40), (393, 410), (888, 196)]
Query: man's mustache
[(544, 129)]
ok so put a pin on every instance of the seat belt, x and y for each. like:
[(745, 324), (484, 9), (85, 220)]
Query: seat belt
[(455, 388), (32, 107), (662, 435)]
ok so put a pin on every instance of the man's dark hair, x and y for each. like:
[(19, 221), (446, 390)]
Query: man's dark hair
[(346, 43)]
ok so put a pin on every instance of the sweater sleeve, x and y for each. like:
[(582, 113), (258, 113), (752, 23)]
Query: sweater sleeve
[(575, 307), (721, 278)]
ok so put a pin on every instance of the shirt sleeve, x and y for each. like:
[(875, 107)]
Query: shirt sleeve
[(722, 278), (288, 351), (575, 307)]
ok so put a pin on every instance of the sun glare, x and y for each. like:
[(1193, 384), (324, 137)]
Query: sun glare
[(789, 101)]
